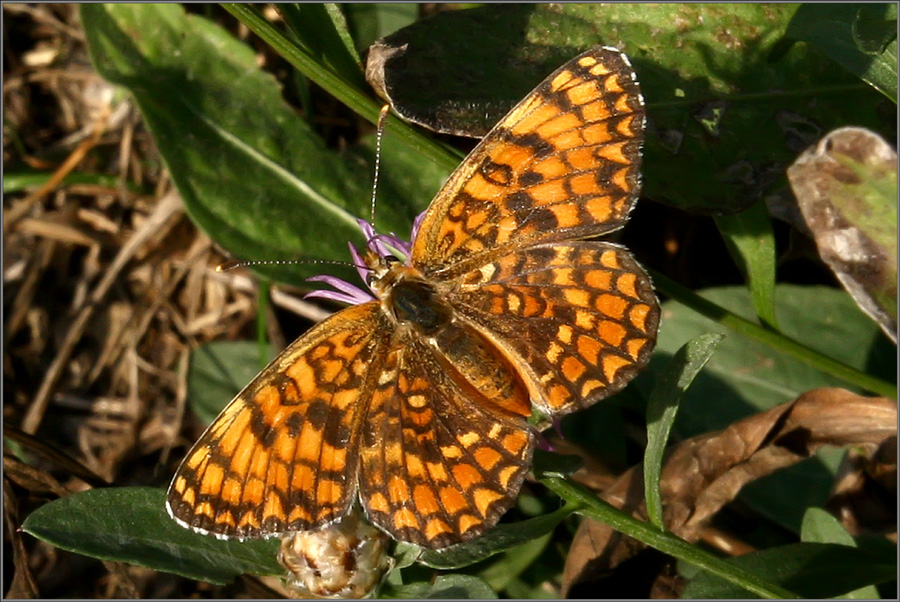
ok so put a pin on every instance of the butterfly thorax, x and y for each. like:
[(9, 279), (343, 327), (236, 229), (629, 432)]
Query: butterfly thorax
[(405, 295)]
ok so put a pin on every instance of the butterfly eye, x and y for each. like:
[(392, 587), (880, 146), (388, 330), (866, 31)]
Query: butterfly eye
[(374, 275)]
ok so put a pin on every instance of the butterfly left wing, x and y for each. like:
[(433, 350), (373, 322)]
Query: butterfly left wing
[(563, 164), (283, 455)]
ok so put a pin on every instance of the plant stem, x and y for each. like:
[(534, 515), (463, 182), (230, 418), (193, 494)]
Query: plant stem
[(597, 509)]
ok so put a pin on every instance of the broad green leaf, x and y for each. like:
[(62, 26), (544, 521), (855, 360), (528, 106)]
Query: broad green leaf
[(322, 31), (662, 408), (812, 570), (751, 242), (744, 376), (533, 583), (405, 554), (356, 99), (601, 511), (130, 524), (513, 562), (819, 526), (217, 372), (252, 173), (749, 328), (725, 120), (371, 21), (860, 37), (784, 496), (403, 175)]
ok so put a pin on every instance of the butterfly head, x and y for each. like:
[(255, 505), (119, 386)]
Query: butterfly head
[(379, 265)]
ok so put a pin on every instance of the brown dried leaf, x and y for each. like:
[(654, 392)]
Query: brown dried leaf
[(48, 453), (30, 478), (23, 584), (865, 492), (704, 473), (846, 187)]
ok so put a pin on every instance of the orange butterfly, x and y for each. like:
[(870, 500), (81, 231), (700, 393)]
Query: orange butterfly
[(415, 400)]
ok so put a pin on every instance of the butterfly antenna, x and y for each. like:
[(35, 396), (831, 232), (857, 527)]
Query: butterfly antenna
[(243, 264), (379, 133)]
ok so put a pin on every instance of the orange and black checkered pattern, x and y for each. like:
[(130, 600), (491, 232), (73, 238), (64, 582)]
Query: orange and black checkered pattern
[(417, 403)]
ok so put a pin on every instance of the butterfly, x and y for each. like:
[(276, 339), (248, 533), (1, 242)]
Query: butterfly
[(415, 400)]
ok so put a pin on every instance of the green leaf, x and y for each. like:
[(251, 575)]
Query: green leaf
[(751, 242), (252, 173), (513, 563), (662, 409), (860, 37), (404, 555), (217, 372), (785, 495), (753, 376), (445, 587), (813, 570), (322, 32), (356, 99), (130, 524), (819, 526), (371, 21), (503, 537), (599, 510), (748, 328), (874, 28), (404, 179)]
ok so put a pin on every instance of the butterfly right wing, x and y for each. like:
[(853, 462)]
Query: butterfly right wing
[(563, 164), (283, 454), (578, 319)]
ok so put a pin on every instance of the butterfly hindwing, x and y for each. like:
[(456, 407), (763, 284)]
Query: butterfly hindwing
[(580, 318), (442, 461)]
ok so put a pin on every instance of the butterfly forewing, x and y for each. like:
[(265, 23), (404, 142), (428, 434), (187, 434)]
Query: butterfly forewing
[(563, 164), (278, 457)]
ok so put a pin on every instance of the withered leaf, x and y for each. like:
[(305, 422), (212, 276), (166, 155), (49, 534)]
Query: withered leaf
[(846, 187), (702, 474)]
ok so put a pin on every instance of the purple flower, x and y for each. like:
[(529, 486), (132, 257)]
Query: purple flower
[(384, 245)]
